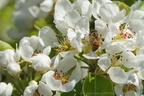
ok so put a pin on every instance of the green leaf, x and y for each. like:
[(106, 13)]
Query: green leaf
[(129, 3), (141, 7), (4, 46), (122, 6), (96, 85)]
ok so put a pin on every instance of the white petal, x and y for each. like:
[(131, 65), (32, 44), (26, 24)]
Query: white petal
[(47, 50), (29, 90), (118, 90), (13, 69), (141, 74), (91, 55), (119, 16), (52, 82), (34, 42), (62, 26), (3, 87), (101, 27), (117, 75), (130, 44), (41, 62), (6, 57), (137, 14), (76, 42), (86, 8), (96, 4), (104, 62), (108, 11), (76, 73), (48, 36), (44, 89), (56, 61), (61, 7), (9, 89), (114, 48), (46, 5), (131, 93), (66, 64), (72, 17), (26, 52), (82, 26), (128, 59), (68, 86), (136, 25), (84, 71), (71, 34), (34, 11), (6, 89)]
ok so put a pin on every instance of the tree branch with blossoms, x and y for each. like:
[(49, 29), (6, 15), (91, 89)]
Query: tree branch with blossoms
[(81, 48)]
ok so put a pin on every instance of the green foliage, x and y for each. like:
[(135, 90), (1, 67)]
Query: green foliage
[(96, 85), (128, 2), (141, 7), (4, 46)]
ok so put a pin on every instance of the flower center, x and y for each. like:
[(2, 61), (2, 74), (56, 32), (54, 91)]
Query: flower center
[(62, 77), (116, 59), (37, 52), (64, 45), (122, 34), (129, 87)]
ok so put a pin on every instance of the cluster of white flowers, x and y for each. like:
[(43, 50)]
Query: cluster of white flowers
[(98, 31), (27, 11)]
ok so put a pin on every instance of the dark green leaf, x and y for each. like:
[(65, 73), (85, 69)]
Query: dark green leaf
[(96, 85)]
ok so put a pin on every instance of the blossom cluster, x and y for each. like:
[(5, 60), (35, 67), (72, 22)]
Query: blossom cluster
[(96, 37)]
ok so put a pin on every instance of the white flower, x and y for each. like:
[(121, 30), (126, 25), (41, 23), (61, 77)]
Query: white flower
[(5, 89), (41, 62), (132, 87), (28, 45), (29, 90), (6, 57), (65, 76), (43, 89), (13, 69)]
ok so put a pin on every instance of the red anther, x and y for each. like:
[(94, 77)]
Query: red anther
[(121, 33)]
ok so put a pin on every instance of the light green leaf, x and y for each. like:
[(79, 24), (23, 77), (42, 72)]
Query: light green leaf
[(4, 46), (96, 85), (141, 7), (122, 6)]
